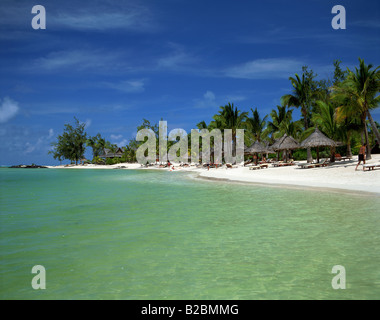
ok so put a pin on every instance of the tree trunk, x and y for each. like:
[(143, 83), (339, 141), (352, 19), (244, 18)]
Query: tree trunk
[(373, 126), (332, 154), (349, 152), (368, 153), (309, 156)]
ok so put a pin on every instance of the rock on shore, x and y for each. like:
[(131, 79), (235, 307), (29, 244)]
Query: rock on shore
[(33, 166)]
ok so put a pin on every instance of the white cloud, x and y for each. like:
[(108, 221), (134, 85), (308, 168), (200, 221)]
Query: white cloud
[(265, 69), (207, 101), (374, 24), (116, 137), (128, 86), (42, 142), (209, 95), (136, 20), (88, 123), (118, 140), (179, 59), (8, 109), (80, 59)]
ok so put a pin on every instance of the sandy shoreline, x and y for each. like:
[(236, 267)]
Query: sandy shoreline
[(339, 176)]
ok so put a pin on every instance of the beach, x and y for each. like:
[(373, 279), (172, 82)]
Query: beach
[(340, 175)]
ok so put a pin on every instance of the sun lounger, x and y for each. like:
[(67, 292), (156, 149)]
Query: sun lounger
[(370, 166), (277, 164), (338, 157), (254, 167), (306, 165), (324, 163)]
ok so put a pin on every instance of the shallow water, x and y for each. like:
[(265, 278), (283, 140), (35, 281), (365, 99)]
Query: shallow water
[(120, 234)]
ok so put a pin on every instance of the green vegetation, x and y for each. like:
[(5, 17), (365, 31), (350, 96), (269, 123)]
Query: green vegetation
[(340, 108), (71, 144)]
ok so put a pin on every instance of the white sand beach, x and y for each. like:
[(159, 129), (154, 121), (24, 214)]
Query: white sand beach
[(339, 175)]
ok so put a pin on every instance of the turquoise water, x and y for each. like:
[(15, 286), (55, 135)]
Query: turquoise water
[(118, 234)]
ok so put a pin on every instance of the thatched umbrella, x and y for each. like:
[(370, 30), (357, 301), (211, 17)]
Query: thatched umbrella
[(317, 139), (256, 147), (285, 143)]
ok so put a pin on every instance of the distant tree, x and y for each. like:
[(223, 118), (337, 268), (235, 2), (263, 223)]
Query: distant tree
[(202, 125), (302, 97), (71, 144), (339, 74), (229, 117), (256, 125), (147, 125), (279, 120)]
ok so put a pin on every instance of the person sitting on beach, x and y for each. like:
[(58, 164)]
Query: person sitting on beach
[(255, 159), (361, 155)]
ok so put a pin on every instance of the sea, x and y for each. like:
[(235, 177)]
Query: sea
[(150, 234)]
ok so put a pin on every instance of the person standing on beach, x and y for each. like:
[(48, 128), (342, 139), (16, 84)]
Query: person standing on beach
[(361, 155)]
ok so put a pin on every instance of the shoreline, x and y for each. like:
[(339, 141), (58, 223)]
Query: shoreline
[(340, 176), (291, 186)]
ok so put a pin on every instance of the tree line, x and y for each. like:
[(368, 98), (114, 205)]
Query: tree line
[(341, 109)]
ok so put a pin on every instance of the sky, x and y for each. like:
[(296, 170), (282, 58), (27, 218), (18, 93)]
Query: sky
[(112, 63)]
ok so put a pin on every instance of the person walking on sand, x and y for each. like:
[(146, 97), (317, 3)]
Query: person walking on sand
[(361, 155)]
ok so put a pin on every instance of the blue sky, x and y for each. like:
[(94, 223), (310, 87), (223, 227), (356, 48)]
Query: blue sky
[(113, 63)]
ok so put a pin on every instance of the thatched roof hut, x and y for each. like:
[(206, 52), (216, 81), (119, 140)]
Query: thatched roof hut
[(285, 143), (318, 139), (109, 154), (256, 147)]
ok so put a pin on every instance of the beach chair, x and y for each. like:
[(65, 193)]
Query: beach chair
[(324, 163), (306, 165), (247, 163), (277, 164), (254, 167), (370, 166)]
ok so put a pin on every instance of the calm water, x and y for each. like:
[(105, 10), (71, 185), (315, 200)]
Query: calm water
[(116, 234)]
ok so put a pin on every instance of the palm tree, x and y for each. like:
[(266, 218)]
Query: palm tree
[(202, 125), (326, 120), (302, 97), (230, 117), (358, 94), (349, 125), (281, 118), (91, 142), (97, 143), (256, 125)]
